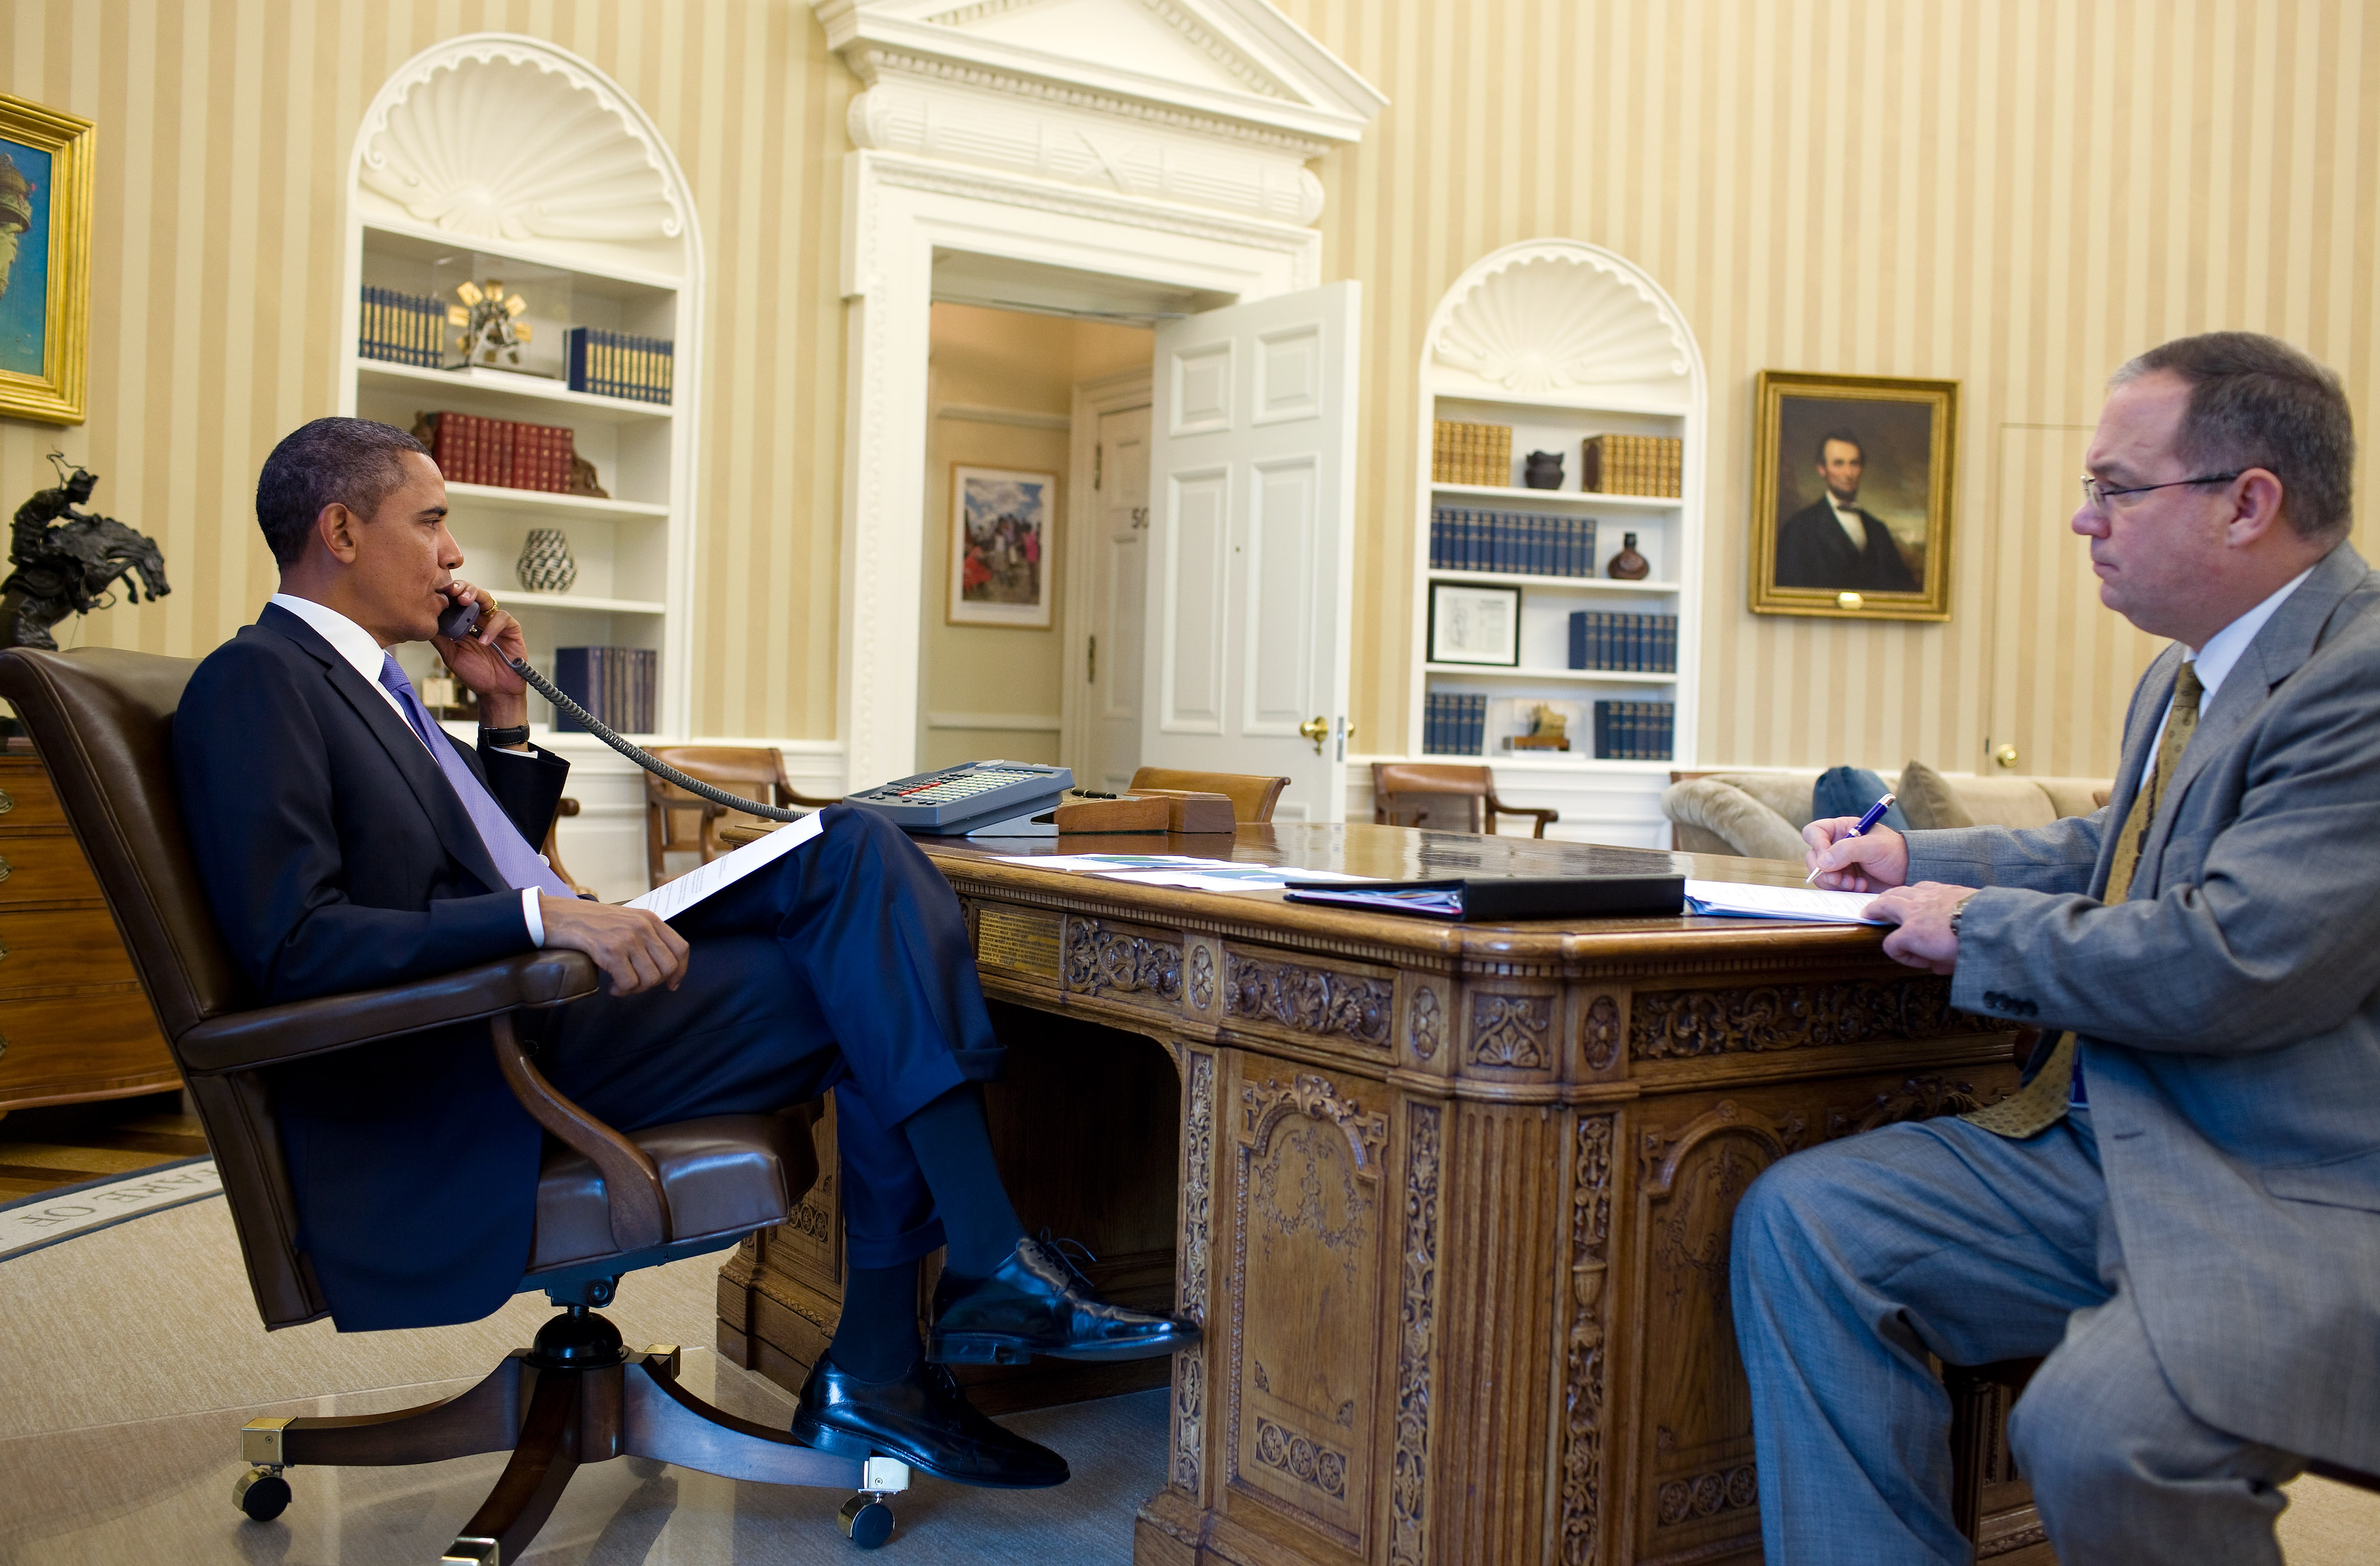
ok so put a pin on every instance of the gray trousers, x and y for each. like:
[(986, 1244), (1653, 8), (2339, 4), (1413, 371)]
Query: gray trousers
[(1854, 1260)]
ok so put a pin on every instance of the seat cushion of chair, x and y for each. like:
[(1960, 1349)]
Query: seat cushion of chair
[(722, 1175)]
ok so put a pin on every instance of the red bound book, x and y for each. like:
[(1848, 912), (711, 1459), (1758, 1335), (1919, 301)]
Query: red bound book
[(506, 432)]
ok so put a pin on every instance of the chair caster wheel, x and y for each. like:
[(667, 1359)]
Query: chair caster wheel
[(262, 1493), (866, 1521)]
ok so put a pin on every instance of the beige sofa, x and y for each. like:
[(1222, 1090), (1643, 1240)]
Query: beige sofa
[(1759, 815)]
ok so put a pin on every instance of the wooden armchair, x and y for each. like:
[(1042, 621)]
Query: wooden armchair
[(1252, 795), (607, 1204), (756, 770), (1417, 794)]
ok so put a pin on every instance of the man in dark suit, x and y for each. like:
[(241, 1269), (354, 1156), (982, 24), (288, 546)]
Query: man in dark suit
[(1831, 542), (347, 842)]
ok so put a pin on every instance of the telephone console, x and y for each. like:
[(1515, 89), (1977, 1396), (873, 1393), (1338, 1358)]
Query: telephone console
[(993, 798)]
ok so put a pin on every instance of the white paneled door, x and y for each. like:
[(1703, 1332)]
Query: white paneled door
[(1118, 561), (1252, 501)]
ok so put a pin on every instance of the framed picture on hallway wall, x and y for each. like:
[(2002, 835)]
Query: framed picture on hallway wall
[(1002, 523), (1852, 480), (44, 260)]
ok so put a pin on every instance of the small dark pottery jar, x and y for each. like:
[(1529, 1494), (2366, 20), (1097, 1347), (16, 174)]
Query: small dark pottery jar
[(1542, 470)]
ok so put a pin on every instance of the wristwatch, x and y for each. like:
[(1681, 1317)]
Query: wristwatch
[(1960, 912), (505, 739)]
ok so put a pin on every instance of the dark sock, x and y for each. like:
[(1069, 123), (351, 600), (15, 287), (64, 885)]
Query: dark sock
[(954, 1148), (877, 1339)]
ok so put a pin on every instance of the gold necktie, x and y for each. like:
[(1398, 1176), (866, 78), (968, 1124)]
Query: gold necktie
[(2041, 1103)]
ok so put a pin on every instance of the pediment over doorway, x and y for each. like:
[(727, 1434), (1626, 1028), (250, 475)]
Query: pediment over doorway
[(1203, 102)]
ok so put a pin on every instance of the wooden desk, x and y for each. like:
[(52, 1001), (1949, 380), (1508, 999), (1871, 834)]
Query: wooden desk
[(1452, 1202)]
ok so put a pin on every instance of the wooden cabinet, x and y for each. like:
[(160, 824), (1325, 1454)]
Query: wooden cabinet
[(74, 1023)]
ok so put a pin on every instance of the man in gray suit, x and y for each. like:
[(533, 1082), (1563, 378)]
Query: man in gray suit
[(2181, 1208)]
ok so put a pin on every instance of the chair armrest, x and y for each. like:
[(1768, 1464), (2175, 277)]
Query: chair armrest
[(271, 1035), (632, 1182), (1496, 807)]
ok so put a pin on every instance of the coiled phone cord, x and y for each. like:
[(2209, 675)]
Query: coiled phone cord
[(652, 764)]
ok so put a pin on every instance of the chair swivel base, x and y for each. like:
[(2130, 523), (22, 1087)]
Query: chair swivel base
[(577, 1396)]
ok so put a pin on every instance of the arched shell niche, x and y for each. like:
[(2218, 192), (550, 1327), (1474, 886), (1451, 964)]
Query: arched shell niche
[(1561, 317)]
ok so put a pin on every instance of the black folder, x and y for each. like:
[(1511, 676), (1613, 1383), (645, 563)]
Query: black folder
[(1500, 898)]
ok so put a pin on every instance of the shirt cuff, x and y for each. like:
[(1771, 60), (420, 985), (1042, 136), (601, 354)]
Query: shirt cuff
[(533, 917)]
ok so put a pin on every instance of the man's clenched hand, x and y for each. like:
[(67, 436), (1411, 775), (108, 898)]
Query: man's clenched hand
[(634, 949)]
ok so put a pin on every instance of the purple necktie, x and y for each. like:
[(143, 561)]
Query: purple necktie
[(516, 860)]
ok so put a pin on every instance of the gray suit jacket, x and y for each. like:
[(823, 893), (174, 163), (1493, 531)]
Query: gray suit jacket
[(2230, 1017)]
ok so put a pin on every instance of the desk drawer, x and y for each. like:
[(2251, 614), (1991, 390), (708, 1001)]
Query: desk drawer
[(81, 1046), (25, 798), (47, 868), (60, 946)]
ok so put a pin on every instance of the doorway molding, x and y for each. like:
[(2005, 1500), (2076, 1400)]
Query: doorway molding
[(1119, 392), (1163, 142)]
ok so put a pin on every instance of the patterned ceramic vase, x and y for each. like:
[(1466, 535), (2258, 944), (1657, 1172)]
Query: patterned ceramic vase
[(545, 565)]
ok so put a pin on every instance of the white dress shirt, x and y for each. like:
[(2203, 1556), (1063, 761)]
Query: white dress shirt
[(362, 649), (2222, 652), (1854, 526)]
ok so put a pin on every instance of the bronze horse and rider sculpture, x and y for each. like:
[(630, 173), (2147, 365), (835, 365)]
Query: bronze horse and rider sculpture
[(69, 566)]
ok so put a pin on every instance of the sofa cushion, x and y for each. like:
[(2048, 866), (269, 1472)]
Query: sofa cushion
[(1930, 800), (1749, 825), (2005, 802), (2074, 797), (1788, 793)]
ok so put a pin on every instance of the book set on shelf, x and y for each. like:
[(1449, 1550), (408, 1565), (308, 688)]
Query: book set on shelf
[(1453, 723), (1653, 465), (503, 452), (1631, 644), (1522, 543), (619, 364), (1471, 453), (402, 328), (1635, 731), (616, 684)]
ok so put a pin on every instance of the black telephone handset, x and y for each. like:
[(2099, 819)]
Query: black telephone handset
[(462, 618)]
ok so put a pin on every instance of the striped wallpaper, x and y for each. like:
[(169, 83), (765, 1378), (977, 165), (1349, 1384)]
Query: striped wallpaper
[(224, 128), (2016, 193)]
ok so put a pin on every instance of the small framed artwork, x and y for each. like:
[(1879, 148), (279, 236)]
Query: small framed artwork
[(44, 262), (1002, 525), (1852, 480), (1470, 625)]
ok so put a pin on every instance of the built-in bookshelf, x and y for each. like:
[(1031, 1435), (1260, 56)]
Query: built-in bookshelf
[(1561, 342), (629, 544)]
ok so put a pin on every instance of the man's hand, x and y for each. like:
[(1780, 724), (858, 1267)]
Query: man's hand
[(1870, 862), (635, 947), (1924, 938), (477, 660)]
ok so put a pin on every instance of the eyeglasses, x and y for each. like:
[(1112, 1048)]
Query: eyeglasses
[(2096, 495)]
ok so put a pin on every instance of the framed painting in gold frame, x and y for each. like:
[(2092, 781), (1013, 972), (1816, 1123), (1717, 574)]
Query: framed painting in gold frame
[(45, 199), (1854, 478)]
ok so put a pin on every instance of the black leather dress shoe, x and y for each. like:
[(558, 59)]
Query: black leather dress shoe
[(926, 1421), (1036, 1303)]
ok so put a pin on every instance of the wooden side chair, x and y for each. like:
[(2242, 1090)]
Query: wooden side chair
[(1445, 798), (607, 1203), (757, 772), (565, 805), (1252, 796)]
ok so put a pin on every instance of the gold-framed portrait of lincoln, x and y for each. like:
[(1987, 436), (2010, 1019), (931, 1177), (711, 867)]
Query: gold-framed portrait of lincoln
[(45, 194), (1853, 483)]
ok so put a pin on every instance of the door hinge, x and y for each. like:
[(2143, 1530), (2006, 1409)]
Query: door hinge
[(1099, 463), (1091, 668)]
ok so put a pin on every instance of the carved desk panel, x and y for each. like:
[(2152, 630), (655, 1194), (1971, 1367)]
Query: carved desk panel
[(1452, 1203)]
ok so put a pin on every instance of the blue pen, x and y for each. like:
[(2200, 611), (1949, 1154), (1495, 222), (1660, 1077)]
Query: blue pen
[(1875, 814)]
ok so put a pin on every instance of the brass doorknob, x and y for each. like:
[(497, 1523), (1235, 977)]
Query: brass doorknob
[(2005, 756), (1318, 729)]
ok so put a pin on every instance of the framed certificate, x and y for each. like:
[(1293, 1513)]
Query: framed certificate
[(1469, 625)]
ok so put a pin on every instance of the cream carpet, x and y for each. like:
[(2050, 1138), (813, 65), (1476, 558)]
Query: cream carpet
[(135, 1352)]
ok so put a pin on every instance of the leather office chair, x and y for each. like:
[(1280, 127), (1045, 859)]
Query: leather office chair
[(1405, 794), (738, 769), (1252, 796), (606, 1203)]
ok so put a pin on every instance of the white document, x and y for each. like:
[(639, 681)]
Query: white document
[(1226, 878), (672, 898), (1738, 899)]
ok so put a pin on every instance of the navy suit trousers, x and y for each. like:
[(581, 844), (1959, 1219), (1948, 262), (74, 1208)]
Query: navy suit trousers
[(842, 964)]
